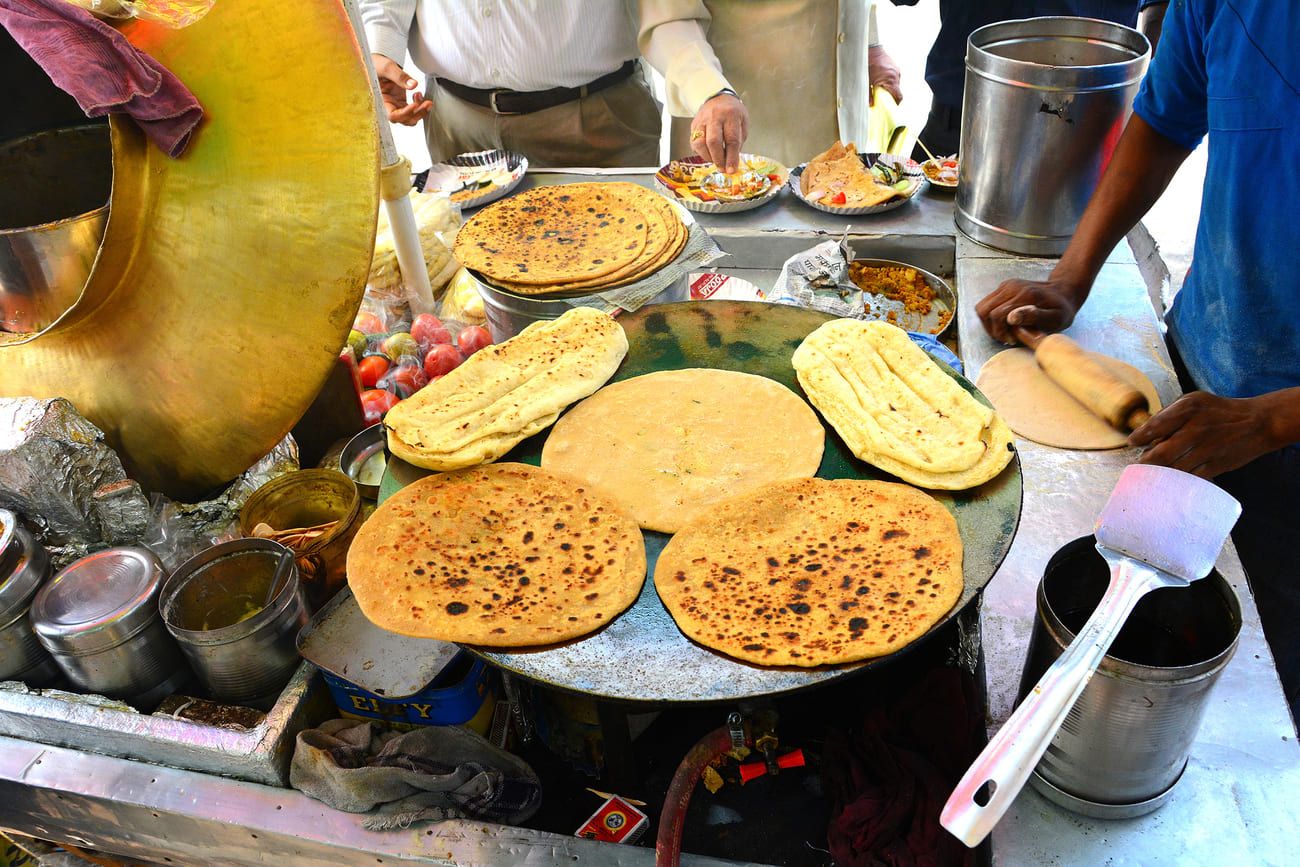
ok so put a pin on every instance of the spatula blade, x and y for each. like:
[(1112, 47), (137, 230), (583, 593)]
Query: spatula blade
[(1168, 519)]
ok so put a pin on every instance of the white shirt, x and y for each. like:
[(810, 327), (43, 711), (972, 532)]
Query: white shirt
[(529, 45)]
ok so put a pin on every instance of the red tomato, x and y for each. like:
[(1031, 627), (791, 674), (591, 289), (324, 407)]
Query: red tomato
[(472, 339), (428, 329), (368, 323), (838, 199), (372, 369), (375, 402), (441, 360)]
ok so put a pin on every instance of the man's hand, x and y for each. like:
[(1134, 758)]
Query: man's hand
[(393, 85), (1040, 306), (719, 131), (882, 71), (1207, 435)]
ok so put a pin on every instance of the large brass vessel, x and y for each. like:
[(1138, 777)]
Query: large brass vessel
[(227, 279)]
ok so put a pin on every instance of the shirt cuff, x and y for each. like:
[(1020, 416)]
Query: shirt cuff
[(691, 80), (387, 41)]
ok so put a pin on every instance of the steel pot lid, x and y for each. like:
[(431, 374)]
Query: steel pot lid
[(99, 601), (24, 566)]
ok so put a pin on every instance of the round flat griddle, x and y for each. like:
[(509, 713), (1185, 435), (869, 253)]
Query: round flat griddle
[(642, 656)]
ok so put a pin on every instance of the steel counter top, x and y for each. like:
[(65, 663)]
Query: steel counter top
[(1237, 802)]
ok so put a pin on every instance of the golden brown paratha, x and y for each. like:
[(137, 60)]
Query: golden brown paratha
[(665, 238), (667, 445), (839, 169), (552, 234), (507, 392), (503, 556), (813, 572)]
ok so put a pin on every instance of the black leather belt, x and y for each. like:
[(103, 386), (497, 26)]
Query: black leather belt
[(526, 102)]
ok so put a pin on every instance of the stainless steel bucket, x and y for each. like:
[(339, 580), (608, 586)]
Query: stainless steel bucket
[(24, 567), (508, 314), (1044, 105), (54, 189), (242, 651), (1125, 742)]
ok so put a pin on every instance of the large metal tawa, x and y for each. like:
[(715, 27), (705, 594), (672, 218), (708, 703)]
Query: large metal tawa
[(227, 279), (642, 656)]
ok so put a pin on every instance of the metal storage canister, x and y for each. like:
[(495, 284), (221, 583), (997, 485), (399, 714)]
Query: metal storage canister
[(306, 498), (1045, 102), (24, 567), (1125, 742), (508, 313), (242, 651), (99, 619)]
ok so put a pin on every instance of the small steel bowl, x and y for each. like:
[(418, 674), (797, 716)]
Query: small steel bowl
[(879, 307), (360, 454)]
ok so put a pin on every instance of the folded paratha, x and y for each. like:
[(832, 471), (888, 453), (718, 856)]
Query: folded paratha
[(506, 392)]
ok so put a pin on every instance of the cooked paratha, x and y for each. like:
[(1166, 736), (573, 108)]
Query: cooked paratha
[(895, 408), (666, 445), (507, 392), (503, 556), (813, 572), (839, 169)]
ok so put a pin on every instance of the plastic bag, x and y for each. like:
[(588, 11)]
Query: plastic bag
[(169, 13), (438, 220)]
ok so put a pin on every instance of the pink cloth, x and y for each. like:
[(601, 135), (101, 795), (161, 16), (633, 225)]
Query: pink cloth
[(102, 71)]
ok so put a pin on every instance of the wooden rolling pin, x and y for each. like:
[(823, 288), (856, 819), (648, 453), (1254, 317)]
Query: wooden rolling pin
[(1068, 365)]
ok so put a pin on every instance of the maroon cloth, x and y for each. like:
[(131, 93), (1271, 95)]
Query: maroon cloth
[(102, 71), (890, 779)]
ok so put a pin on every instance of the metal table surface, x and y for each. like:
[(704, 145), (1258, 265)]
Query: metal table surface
[(1236, 804)]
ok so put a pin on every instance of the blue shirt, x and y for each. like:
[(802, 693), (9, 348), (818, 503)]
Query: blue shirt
[(945, 68), (1231, 68)]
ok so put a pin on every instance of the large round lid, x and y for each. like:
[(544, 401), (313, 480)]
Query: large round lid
[(99, 601), (23, 566)]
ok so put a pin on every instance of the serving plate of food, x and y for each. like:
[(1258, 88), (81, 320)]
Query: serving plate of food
[(478, 178), (842, 181), (941, 172), (698, 185)]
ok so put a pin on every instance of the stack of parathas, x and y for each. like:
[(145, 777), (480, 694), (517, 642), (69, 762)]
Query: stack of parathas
[(813, 572), (506, 555), (896, 410), (574, 239)]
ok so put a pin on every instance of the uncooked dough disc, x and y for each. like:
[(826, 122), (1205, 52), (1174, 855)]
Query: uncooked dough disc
[(1038, 409)]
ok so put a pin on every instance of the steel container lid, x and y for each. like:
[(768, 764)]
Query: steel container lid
[(99, 601), (24, 565)]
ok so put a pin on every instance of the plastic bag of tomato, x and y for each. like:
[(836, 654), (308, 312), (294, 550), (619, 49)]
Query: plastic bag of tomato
[(395, 359)]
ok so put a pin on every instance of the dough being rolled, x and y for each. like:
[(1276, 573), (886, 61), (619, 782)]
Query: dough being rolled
[(1038, 409)]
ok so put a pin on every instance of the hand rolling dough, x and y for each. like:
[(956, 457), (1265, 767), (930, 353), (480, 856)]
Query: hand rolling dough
[(1038, 409)]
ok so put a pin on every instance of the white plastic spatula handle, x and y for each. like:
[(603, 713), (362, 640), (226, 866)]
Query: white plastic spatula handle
[(1005, 764)]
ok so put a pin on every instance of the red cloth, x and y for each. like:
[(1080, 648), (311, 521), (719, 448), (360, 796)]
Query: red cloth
[(890, 779), (102, 71)]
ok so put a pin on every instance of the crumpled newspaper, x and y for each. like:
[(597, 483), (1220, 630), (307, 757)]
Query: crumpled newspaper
[(818, 279)]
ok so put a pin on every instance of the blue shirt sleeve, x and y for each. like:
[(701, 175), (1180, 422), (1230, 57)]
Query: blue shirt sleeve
[(1172, 97)]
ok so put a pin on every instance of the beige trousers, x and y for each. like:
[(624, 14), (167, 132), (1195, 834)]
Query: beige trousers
[(615, 127)]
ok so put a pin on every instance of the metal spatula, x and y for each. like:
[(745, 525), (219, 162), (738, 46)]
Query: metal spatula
[(1160, 528)]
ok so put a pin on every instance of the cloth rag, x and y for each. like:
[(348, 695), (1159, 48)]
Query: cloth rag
[(430, 774), (889, 779), (102, 70)]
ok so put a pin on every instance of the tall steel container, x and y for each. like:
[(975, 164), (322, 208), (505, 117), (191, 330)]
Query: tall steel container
[(1125, 742), (1046, 100)]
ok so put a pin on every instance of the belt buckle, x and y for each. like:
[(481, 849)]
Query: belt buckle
[(492, 104)]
